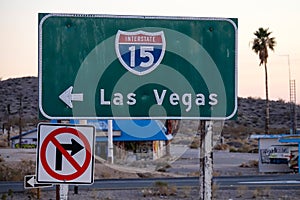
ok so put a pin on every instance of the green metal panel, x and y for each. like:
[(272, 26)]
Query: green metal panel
[(195, 79)]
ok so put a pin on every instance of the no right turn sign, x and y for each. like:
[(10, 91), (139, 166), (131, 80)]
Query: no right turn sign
[(65, 153)]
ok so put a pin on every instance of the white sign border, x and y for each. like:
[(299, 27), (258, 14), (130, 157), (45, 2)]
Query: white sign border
[(92, 162)]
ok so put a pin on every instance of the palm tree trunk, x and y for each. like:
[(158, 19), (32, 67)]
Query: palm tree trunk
[(267, 102)]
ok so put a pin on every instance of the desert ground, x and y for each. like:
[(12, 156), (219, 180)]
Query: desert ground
[(185, 164)]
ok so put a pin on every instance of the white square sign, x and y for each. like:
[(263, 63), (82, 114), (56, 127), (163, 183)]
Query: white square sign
[(65, 153)]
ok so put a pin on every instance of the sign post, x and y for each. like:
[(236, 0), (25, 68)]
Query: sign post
[(110, 147), (208, 161)]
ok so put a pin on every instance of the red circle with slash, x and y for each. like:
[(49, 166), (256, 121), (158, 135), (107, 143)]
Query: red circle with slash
[(79, 170)]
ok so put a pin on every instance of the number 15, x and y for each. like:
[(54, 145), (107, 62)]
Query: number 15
[(145, 52)]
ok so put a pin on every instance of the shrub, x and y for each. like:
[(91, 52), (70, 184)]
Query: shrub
[(195, 143), (241, 191), (9, 172), (221, 147), (251, 163), (161, 189)]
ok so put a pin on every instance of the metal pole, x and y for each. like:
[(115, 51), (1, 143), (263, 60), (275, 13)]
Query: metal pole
[(57, 188), (201, 130), (63, 193), (110, 153), (38, 193), (208, 161), (75, 189), (62, 190)]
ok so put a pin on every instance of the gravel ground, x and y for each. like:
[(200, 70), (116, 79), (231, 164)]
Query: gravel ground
[(222, 167), (240, 193)]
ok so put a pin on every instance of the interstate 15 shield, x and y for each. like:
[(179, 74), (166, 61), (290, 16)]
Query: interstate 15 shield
[(140, 52)]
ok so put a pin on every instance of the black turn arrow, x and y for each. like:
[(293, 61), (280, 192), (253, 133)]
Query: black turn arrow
[(74, 147)]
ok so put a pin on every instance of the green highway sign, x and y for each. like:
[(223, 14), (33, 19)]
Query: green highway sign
[(137, 67)]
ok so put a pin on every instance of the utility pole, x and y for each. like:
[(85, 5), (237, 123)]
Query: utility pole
[(8, 125), (292, 87), (293, 106), (20, 119)]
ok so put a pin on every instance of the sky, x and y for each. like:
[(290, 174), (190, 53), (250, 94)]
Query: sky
[(19, 34)]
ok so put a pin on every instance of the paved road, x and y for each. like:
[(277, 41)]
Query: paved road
[(287, 181), (188, 162)]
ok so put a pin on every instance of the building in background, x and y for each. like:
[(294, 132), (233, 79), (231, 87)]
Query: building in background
[(29, 140), (274, 155), (132, 139)]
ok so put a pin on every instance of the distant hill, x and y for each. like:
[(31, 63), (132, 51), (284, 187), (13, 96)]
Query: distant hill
[(251, 111), (12, 93), (251, 118)]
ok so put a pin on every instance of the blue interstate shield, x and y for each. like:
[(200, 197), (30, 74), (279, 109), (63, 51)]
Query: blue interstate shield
[(140, 52)]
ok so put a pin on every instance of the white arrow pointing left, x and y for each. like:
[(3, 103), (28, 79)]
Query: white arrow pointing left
[(67, 97), (31, 181)]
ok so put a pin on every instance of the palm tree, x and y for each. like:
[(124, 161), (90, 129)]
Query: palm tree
[(260, 46)]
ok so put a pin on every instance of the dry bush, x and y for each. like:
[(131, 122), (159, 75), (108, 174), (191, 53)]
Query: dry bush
[(253, 163), (250, 164), (261, 192), (186, 192), (192, 174), (106, 175), (172, 190), (162, 166), (241, 191), (160, 189), (216, 173), (246, 148), (195, 143), (215, 188), (16, 171), (256, 193), (221, 147), (3, 143), (233, 150)]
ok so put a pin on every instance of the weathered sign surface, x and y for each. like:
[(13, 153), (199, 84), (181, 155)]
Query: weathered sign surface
[(106, 66)]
